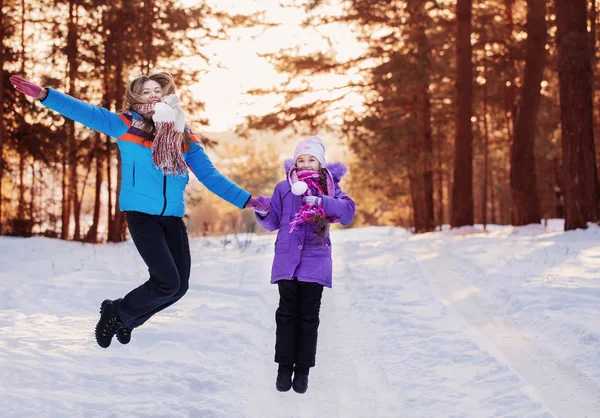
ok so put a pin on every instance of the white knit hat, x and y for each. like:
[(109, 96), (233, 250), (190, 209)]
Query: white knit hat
[(311, 145)]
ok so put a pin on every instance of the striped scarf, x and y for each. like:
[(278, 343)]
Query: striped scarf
[(307, 212), (166, 147)]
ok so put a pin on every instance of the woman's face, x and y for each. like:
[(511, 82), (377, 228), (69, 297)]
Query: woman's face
[(151, 91), (307, 162)]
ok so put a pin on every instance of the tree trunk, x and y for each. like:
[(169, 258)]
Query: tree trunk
[(575, 78), (92, 234), (523, 176), (21, 205), (149, 53), (493, 219), (426, 135), (502, 209), (593, 42), (20, 147), (593, 29), (54, 216), (65, 203), (88, 169), (32, 195), (462, 190), (416, 201), (2, 31), (486, 158), (117, 232), (510, 70), (109, 203), (553, 187), (486, 140), (73, 65), (427, 164), (559, 196), (107, 103), (113, 94), (424, 220), (440, 178)]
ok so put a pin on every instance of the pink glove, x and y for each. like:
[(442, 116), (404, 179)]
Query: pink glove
[(312, 200), (260, 205), (28, 88)]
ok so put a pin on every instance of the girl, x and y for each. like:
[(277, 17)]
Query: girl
[(301, 208), (156, 150)]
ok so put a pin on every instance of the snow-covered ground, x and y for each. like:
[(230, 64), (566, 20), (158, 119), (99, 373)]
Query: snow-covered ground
[(448, 324)]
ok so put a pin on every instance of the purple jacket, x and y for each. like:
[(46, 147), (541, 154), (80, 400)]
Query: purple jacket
[(304, 253)]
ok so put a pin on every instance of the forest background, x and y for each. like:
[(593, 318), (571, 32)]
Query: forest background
[(453, 112)]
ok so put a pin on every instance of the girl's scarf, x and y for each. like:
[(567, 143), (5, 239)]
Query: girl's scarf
[(169, 123), (307, 212)]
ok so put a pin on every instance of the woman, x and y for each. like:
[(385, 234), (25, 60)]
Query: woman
[(157, 148)]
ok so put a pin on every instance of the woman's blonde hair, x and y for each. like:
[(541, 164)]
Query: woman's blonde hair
[(133, 95)]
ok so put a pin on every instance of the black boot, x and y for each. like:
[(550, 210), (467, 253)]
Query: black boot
[(284, 378), (300, 383), (124, 335), (108, 324), (284, 382)]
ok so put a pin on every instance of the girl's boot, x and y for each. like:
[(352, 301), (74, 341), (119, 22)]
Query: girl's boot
[(300, 383), (284, 378)]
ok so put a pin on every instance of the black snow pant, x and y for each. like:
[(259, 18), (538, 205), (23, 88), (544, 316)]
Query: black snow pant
[(162, 241), (297, 321)]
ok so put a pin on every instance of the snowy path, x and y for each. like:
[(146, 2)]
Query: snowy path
[(425, 357), (558, 384), (495, 325)]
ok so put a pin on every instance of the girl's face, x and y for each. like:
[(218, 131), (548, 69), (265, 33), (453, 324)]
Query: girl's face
[(307, 162), (152, 91)]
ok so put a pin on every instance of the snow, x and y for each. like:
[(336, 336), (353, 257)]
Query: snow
[(457, 323)]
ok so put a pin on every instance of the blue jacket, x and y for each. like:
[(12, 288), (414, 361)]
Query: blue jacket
[(144, 188)]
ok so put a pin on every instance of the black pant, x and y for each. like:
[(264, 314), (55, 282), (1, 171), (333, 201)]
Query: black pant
[(297, 321), (162, 242)]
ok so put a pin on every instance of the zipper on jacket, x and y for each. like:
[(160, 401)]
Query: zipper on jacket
[(133, 174), (164, 194)]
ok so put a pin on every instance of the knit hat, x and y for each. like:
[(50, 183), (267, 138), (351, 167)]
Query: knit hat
[(311, 145)]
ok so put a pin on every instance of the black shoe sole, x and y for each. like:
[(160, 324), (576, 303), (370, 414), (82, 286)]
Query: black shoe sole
[(102, 307), (285, 389), (298, 390)]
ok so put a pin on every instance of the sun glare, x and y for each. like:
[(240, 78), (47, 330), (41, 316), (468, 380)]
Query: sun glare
[(236, 65)]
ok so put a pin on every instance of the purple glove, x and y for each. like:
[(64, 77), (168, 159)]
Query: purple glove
[(28, 88), (260, 205), (312, 200)]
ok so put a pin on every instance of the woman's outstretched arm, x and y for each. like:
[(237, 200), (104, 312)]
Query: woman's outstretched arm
[(92, 116), (214, 181)]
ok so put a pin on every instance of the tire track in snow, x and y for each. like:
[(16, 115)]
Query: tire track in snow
[(562, 388)]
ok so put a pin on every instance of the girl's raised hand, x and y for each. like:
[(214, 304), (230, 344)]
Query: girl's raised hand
[(27, 87)]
